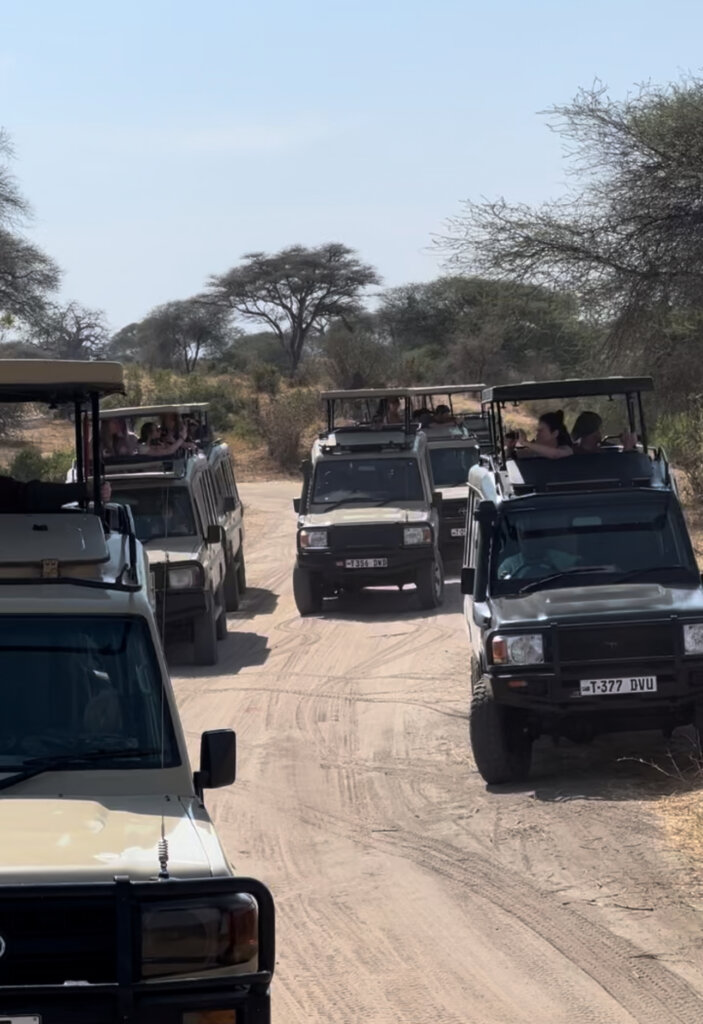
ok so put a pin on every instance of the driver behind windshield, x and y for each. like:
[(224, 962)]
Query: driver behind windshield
[(537, 556)]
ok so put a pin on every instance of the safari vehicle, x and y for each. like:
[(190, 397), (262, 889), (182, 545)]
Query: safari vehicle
[(367, 516), (117, 901), (453, 446), (583, 601), (189, 516)]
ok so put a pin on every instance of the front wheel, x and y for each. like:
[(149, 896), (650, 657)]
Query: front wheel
[(500, 743), (307, 591), (430, 583), (205, 637)]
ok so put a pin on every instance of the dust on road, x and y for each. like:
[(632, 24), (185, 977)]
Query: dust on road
[(405, 891)]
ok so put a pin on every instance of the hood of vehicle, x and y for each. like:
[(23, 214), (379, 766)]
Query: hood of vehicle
[(173, 549), (86, 840), (353, 516), (586, 604)]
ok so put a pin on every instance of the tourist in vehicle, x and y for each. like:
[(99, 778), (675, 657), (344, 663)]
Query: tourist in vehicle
[(149, 437), (552, 440), (587, 435), (116, 440), (422, 416), (174, 435), (393, 414), (443, 414)]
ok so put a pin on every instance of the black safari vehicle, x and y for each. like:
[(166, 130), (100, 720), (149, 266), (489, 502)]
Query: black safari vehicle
[(583, 601)]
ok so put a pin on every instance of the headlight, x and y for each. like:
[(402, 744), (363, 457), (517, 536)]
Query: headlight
[(188, 937), (693, 638), (185, 577), (522, 649), (313, 539), (417, 535)]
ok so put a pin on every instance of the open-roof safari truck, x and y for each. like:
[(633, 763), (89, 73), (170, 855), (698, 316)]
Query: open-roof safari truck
[(367, 516), (583, 602), (117, 901), (454, 437), (187, 513)]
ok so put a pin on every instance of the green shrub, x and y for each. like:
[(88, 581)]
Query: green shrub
[(28, 464), (57, 465), (679, 434), (266, 379)]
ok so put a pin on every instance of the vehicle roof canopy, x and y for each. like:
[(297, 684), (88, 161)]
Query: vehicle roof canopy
[(58, 380), (533, 389), (379, 393), (153, 410), (447, 389)]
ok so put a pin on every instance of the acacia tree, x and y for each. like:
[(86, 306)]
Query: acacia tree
[(626, 238), (70, 332), (179, 333), (26, 273), (296, 292)]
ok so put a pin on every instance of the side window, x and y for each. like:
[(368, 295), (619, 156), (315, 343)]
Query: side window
[(229, 473), (471, 543), (211, 498), (202, 504)]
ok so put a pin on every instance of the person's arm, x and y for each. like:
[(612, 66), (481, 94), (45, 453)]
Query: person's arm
[(548, 453)]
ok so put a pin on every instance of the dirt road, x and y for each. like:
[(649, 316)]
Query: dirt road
[(405, 891)]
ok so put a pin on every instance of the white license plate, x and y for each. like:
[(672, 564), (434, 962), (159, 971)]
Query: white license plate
[(20, 1020), (458, 531), (366, 563), (624, 684)]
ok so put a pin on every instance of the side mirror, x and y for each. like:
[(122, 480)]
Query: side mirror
[(218, 760), (305, 467), (437, 500), (468, 577), (213, 534), (296, 505), (230, 503)]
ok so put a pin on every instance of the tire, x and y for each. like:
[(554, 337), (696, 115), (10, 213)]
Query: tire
[(205, 637), (232, 590), (430, 583), (242, 573), (221, 622), (501, 747), (307, 591)]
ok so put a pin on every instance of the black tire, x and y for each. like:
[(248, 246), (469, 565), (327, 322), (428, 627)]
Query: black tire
[(430, 583), (307, 591), (232, 589), (501, 746), (221, 622), (205, 637), (242, 573)]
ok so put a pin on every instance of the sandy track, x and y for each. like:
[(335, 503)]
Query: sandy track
[(406, 891)]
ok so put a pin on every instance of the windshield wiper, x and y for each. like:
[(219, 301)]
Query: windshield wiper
[(34, 766), (576, 570)]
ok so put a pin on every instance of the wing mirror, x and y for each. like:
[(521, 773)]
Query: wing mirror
[(218, 760), (230, 503), (468, 577), (213, 534), (296, 505), (437, 500)]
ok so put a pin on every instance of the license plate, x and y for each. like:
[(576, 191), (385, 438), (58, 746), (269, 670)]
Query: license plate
[(366, 563), (458, 531), (624, 684), (20, 1020)]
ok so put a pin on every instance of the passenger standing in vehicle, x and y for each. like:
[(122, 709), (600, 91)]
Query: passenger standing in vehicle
[(551, 441), (443, 414), (587, 435), (393, 410)]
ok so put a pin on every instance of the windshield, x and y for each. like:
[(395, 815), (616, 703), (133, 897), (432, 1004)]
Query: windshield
[(159, 511), (611, 536), (72, 687), (362, 480), (450, 466)]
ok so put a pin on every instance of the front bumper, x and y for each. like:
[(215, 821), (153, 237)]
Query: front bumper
[(124, 998), (178, 606), (452, 532), (402, 566)]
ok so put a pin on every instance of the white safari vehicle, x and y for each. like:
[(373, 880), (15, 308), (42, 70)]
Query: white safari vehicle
[(117, 901)]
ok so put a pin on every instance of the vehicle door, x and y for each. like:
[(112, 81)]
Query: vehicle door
[(229, 505), (212, 558)]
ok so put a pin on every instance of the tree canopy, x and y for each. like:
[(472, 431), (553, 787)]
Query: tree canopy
[(296, 292), (626, 237)]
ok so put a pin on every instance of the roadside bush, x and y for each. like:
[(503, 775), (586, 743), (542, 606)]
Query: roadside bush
[(679, 434), (266, 379), (285, 421), (57, 465), (27, 464)]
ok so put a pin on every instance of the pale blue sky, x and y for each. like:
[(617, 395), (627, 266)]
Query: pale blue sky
[(158, 141)]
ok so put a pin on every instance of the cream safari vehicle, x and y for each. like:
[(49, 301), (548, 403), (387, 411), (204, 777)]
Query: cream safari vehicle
[(117, 900)]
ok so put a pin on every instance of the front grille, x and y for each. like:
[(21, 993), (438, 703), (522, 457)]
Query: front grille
[(610, 643), (454, 508), (58, 939), (380, 537)]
